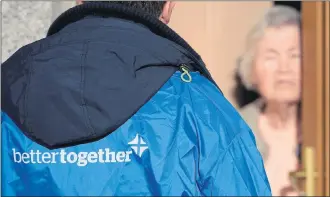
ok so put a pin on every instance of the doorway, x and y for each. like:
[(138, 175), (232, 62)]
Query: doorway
[(313, 177)]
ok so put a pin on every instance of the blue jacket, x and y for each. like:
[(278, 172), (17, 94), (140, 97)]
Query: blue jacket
[(102, 107)]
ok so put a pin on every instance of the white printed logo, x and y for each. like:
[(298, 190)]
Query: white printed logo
[(104, 155), (138, 145)]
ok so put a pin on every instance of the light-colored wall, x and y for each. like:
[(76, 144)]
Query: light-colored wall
[(26, 21), (60, 7), (22, 23), (217, 31)]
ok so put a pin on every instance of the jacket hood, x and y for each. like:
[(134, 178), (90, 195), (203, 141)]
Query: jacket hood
[(99, 64), (108, 9)]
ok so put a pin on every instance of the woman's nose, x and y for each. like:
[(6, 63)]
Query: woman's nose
[(284, 64)]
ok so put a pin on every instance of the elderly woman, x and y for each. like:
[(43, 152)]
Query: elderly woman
[(271, 66)]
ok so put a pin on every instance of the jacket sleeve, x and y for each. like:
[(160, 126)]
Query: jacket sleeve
[(236, 171), (231, 167), (229, 162)]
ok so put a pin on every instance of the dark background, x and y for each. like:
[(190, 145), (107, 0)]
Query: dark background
[(294, 4)]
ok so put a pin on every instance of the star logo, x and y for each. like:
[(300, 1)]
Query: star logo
[(138, 145)]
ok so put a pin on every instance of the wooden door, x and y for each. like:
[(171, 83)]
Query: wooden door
[(314, 174), (327, 97)]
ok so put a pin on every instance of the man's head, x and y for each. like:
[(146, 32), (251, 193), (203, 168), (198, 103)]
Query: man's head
[(158, 9)]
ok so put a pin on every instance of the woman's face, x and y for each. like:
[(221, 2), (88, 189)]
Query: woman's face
[(277, 65)]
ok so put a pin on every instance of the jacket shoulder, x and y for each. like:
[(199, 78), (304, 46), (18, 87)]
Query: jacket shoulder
[(219, 121)]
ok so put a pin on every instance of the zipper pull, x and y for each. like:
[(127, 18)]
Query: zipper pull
[(185, 72)]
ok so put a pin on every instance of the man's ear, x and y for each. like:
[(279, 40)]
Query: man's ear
[(78, 2), (167, 12)]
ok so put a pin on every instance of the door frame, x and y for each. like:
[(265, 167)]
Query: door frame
[(327, 95), (315, 95)]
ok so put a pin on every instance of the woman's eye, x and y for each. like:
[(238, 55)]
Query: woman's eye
[(295, 55), (270, 58)]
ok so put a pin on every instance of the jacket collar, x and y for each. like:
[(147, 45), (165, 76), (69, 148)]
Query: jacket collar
[(106, 9)]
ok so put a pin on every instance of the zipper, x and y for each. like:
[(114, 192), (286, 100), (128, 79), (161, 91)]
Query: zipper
[(185, 76)]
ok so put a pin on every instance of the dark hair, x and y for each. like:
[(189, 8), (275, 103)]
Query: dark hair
[(153, 8), (242, 95)]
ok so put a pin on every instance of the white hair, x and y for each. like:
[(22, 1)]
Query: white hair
[(274, 17)]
